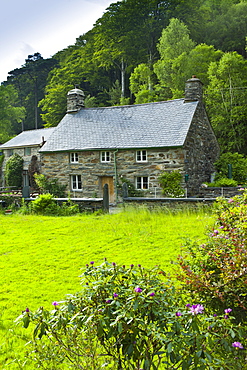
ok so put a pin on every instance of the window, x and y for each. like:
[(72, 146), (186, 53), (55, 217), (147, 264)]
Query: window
[(76, 182), (105, 157), (10, 152), (142, 182), (74, 158), (27, 151), (141, 156)]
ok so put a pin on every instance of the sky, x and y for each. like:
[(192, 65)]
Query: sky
[(43, 26)]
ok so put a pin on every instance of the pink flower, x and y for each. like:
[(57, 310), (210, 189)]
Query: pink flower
[(196, 309), (228, 310), (178, 313), (151, 294), (230, 200), (138, 290), (237, 345), (55, 303)]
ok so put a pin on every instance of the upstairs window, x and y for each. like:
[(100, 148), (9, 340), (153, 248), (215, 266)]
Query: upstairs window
[(105, 157), (76, 183), (141, 156), (10, 152), (142, 182), (74, 157), (27, 151)]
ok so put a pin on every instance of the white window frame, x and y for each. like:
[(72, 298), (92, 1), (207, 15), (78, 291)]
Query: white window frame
[(74, 157), (105, 156), (76, 183), (141, 156), (142, 182)]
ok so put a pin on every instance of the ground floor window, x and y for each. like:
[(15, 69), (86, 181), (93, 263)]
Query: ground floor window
[(142, 182), (76, 182)]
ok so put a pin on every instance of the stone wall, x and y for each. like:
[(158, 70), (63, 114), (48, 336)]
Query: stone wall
[(123, 163), (20, 152), (213, 192), (201, 150)]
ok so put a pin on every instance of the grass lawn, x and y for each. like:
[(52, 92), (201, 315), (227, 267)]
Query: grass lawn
[(41, 257)]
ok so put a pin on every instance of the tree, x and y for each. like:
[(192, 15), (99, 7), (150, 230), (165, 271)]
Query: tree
[(174, 42), (30, 81), (11, 115), (231, 15), (226, 100)]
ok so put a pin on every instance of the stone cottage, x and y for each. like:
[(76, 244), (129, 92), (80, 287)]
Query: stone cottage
[(27, 145), (94, 146)]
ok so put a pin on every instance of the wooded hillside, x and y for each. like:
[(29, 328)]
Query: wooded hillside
[(141, 51)]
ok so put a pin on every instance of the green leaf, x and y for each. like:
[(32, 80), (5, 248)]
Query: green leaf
[(169, 347)]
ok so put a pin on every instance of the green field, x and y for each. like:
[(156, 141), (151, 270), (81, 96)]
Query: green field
[(42, 257)]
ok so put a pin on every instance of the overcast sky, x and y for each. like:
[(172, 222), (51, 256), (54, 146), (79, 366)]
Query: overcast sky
[(43, 26)]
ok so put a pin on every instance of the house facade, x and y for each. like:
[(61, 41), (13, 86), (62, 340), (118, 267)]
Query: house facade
[(26, 145), (94, 146)]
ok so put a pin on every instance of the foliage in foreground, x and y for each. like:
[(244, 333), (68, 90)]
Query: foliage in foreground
[(216, 271), (129, 318), (51, 186), (45, 204)]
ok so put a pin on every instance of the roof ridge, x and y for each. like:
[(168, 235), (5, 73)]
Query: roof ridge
[(134, 105)]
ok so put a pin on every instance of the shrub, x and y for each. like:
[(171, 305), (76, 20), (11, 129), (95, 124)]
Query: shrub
[(46, 205), (129, 318), (13, 171), (50, 186), (223, 182), (217, 270), (239, 167), (171, 184)]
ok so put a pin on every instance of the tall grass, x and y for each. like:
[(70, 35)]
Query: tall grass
[(41, 258)]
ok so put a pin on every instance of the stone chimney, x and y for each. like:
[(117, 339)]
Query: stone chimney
[(75, 100), (193, 90)]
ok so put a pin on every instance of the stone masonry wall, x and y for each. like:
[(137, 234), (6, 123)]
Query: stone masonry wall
[(201, 151), (26, 158), (57, 165)]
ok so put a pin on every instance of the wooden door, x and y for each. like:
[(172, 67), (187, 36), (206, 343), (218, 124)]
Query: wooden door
[(109, 181)]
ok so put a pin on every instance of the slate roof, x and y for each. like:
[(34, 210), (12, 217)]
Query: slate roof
[(151, 125), (28, 138)]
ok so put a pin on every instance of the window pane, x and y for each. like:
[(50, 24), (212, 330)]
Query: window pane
[(27, 151), (79, 182), (138, 183), (145, 183), (144, 155), (138, 155)]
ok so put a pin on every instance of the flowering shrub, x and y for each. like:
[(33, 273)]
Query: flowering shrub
[(217, 270), (130, 318)]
